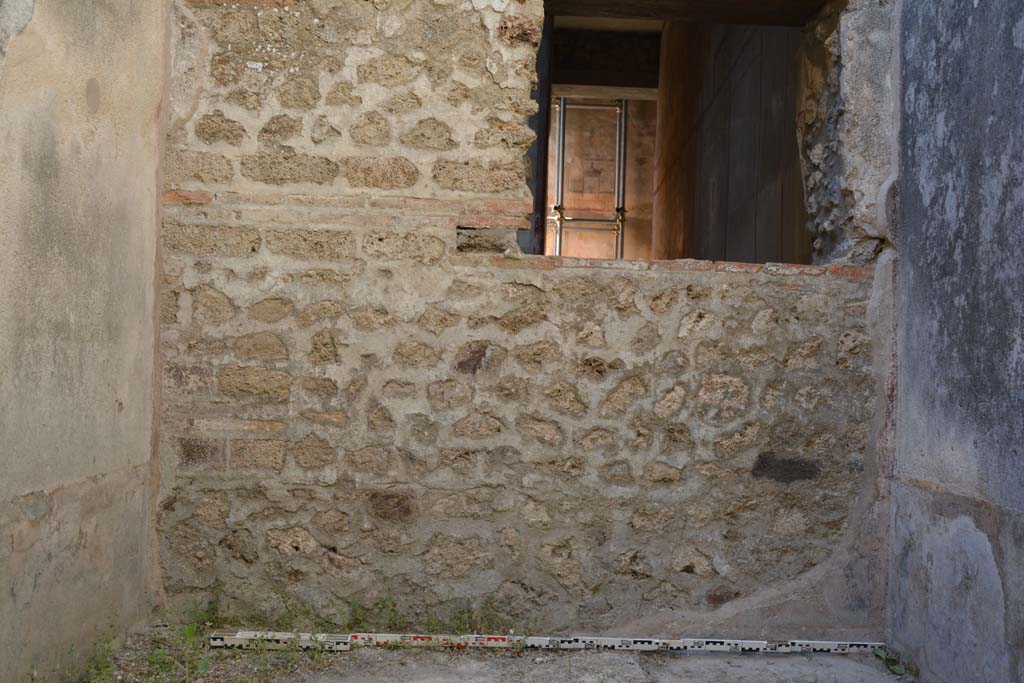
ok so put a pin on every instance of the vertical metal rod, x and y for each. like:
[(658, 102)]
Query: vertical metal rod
[(621, 119), (559, 207)]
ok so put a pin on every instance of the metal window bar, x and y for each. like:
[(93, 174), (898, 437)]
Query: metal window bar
[(564, 222)]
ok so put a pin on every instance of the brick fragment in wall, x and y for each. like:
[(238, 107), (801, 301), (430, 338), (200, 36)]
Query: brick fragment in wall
[(186, 197)]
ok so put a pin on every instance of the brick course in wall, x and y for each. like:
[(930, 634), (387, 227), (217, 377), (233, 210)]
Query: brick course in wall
[(354, 407)]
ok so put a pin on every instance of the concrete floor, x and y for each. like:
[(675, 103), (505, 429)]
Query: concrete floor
[(384, 666)]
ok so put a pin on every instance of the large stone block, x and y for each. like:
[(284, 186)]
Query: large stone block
[(285, 166), (211, 240), (312, 245), (403, 246), (183, 166), (467, 176), (385, 173), (247, 382)]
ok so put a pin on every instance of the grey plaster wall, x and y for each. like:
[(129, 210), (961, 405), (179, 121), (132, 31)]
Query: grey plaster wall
[(80, 95), (957, 583)]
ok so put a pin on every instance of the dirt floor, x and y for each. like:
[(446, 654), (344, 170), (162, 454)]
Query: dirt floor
[(173, 656)]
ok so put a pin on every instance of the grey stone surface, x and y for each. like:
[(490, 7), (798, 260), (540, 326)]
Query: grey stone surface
[(601, 667), (14, 17), (79, 150), (959, 491)]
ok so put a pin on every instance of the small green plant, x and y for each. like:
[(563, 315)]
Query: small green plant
[(191, 641), (892, 661), (159, 661), (100, 667), (485, 619), (388, 615), (184, 654), (356, 620)]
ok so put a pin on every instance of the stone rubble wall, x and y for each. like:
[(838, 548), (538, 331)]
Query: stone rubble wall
[(354, 408), (847, 128)]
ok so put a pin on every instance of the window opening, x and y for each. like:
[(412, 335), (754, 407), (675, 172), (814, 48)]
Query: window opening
[(698, 153)]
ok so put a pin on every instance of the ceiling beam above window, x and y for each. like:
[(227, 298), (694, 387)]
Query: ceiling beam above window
[(764, 12)]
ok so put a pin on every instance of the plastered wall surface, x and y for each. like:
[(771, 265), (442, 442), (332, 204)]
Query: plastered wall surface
[(80, 89), (958, 517)]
